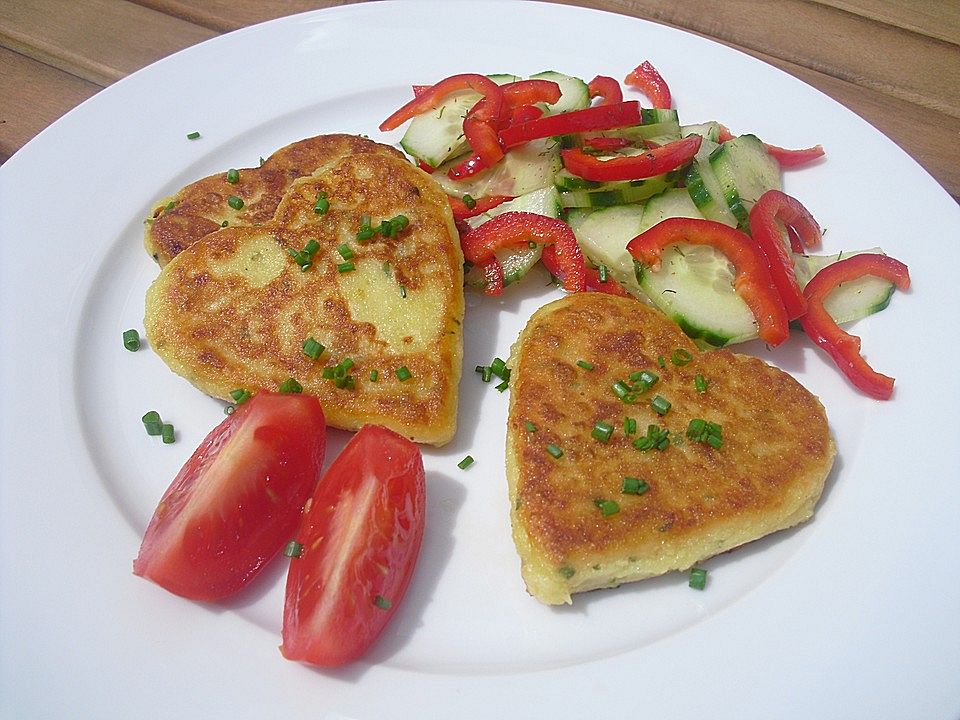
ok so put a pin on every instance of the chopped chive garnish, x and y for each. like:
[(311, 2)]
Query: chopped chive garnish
[(662, 361), (381, 602), (328, 372), (290, 386), (700, 383), (681, 357), (585, 365), (634, 486), (624, 391), (345, 252), (240, 395), (374, 375), (322, 205), (403, 291), (607, 507), (486, 374), (554, 451), (233, 176), (193, 135), (629, 426), (469, 202), (660, 404), (698, 578), (502, 386), (403, 374), (293, 549), (465, 463), (707, 432), (235, 202), (647, 379), (224, 223), (603, 273), (170, 205), (166, 433), (346, 267), (656, 439), (312, 349), (602, 431), (311, 247), (499, 368), (131, 340), (365, 232), (530, 426), (153, 423), (566, 571)]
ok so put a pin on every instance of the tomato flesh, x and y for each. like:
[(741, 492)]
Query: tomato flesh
[(237, 500), (360, 535)]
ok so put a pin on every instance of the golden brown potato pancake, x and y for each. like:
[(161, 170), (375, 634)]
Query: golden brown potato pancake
[(701, 500)]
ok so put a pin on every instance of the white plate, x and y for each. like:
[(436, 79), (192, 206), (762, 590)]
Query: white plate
[(856, 614)]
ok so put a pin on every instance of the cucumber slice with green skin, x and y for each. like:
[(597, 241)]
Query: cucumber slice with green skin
[(708, 131), (436, 136), (524, 169), (650, 116), (603, 236), (745, 171), (852, 300), (516, 261), (658, 133), (694, 287), (574, 94), (619, 193), (674, 202), (705, 189)]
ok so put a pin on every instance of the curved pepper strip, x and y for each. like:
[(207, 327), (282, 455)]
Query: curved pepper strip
[(647, 80), (788, 159), (592, 277), (752, 280), (528, 92), (843, 347), (772, 206), (606, 88), (493, 275), (598, 117), (656, 161), (518, 228), (461, 211)]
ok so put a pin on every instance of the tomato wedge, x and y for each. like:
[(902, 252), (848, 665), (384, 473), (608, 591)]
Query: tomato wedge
[(237, 500), (360, 538)]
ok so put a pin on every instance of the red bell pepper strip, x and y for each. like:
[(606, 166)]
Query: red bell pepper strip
[(601, 142), (599, 117), (772, 206), (429, 169), (789, 159), (493, 275), (752, 280), (655, 161), (517, 228), (843, 347), (467, 168), (592, 276), (647, 80), (523, 113), (528, 92), (480, 129), (462, 211), (433, 95), (606, 88)]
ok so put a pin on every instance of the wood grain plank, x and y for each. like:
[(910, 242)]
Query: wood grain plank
[(935, 18), (912, 67), (34, 95), (98, 40), (227, 15)]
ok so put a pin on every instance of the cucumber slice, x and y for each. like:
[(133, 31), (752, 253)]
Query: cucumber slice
[(694, 288), (705, 189), (574, 94), (745, 171), (674, 202), (516, 261), (708, 130), (524, 169), (853, 300), (613, 193), (603, 236), (650, 116)]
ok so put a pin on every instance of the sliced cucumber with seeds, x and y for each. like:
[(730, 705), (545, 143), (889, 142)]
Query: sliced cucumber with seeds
[(603, 236), (745, 171), (524, 169), (705, 189), (851, 300), (574, 94), (617, 193), (516, 261), (694, 287), (674, 202)]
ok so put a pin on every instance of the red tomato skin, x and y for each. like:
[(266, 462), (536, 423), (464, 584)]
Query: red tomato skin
[(237, 500), (361, 535)]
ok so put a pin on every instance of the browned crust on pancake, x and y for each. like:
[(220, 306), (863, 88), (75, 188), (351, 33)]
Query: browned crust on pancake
[(201, 207), (776, 454), (211, 325)]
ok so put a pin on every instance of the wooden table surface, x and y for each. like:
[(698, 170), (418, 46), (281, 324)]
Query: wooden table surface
[(896, 63)]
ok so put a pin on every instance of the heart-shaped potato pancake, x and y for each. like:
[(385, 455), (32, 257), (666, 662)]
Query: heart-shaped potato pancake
[(595, 505), (202, 207), (384, 313)]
